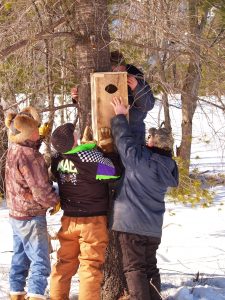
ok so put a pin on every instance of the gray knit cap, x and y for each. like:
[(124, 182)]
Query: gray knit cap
[(62, 138), (162, 138)]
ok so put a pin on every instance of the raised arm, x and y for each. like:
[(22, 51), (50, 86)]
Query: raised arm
[(143, 96), (123, 138)]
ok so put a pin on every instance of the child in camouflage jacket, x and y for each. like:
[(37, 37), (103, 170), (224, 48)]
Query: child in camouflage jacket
[(29, 194)]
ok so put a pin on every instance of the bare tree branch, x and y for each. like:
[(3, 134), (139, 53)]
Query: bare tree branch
[(40, 36)]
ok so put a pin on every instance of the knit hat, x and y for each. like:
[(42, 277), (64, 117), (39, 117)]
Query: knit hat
[(162, 138), (22, 125), (117, 58), (62, 138), (152, 131)]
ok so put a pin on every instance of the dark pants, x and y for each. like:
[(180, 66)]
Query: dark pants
[(140, 265)]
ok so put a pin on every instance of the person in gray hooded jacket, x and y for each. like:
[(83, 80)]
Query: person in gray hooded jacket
[(140, 96), (139, 204)]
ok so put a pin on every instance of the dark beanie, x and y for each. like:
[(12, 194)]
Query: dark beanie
[(62, 138), (117, 58)]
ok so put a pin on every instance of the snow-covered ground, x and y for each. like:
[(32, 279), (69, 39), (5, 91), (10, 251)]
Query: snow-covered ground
[(192, 253), (191, 256)]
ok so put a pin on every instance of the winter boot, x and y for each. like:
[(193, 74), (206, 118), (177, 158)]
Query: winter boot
[(17, 297)]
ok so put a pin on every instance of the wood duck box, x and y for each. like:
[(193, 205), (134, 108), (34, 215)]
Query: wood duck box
[(104, 86)]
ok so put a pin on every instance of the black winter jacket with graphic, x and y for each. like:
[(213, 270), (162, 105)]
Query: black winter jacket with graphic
[(82, 175)]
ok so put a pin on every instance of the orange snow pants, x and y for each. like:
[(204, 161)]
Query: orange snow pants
[(83, 242)]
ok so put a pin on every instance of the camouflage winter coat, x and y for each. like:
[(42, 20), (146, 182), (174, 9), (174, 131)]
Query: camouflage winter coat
[(28, 190)]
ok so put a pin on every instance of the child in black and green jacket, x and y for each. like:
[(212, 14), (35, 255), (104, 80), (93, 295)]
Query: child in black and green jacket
[(82, 172)]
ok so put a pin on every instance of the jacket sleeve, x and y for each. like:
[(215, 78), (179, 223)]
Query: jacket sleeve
[(35, 174), (116, 160), (128, 149), (54, 164), (106, 169), (143, 96)]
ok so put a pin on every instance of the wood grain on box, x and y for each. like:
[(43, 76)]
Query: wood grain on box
[(104, 86)]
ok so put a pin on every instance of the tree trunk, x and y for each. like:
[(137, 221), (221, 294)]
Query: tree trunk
[(189, 103), (92, 51), (50, 94), (114, 285), (167, 122), (92, 55), (165, 100), (62, 89), (189, 94), (3, 151)]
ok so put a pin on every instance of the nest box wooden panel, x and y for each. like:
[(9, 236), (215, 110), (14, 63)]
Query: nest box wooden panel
[(104, 86)]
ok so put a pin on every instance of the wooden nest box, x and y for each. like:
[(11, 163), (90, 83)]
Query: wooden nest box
[(104, 86)]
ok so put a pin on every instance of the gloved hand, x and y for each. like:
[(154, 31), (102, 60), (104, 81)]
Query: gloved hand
[(55, 209), (44, 130), (105, 139), (87, 136)]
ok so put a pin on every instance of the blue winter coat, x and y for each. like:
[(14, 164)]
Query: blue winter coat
[(139, 205), (141, 100)]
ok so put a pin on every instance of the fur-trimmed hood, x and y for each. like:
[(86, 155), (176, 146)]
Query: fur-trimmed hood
[(22, 125)]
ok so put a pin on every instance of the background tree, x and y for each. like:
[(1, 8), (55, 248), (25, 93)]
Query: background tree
[(175, 42), (91, 48)]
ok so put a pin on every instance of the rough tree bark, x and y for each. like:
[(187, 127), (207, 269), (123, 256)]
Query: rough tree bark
[(3, 150), (92, 50), (189, 93), (114, 284)]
